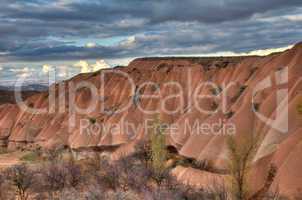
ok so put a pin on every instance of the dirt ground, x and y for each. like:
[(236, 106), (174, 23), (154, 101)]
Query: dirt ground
[(10, 159)]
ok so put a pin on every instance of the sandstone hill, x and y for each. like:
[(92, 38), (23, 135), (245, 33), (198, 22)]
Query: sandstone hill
[(243, 106)]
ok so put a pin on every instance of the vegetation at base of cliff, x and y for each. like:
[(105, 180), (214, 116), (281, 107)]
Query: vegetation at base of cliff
[(131, 177), (31, 156), (94, 178)]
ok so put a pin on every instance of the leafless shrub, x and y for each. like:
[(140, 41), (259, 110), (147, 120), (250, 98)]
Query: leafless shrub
[(53, 155), (122, 195), (124, 166), (128, 169), (74, 173), (95, 193), (5, 192), (143, 152), (138, 178), (2, 182), (54, 178), (160, 193), (69, 194), (108, 176), (169, 188), (196, 194), (22, 178), (94, 164), (41, 196), (159, 178), (218, 190), (174, 190)]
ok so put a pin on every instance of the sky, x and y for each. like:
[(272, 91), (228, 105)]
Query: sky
[(79, 36)]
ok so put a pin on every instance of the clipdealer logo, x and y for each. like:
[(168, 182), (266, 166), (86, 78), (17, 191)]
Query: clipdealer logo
[(277, 81)]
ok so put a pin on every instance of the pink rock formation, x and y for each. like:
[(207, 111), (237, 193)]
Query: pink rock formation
[(244, 75)]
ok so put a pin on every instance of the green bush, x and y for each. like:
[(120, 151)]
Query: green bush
[(216, 91), (31, 157), (92, 120)]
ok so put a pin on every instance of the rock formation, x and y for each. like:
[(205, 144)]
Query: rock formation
[(253, 103)]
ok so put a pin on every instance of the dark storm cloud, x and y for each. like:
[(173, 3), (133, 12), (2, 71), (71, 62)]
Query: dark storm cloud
[(153, 10), (65, 52), (37, 30)]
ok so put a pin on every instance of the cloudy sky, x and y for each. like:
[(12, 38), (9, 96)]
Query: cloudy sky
[(77, 36)]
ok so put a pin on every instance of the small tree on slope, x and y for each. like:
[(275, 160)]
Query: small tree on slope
[(158, 150), (241, 154)]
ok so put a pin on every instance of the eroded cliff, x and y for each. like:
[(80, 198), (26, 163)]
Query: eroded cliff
[(244, 93)]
